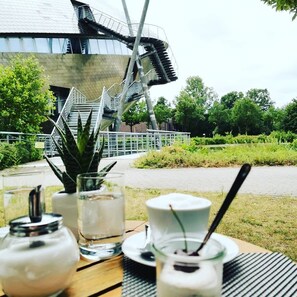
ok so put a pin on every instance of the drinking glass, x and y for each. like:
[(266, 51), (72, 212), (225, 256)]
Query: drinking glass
[(181, 274), (16, 187), (101, 214)]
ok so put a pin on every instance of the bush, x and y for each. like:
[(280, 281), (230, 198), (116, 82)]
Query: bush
[(283, 136), (259, 154), (18, 153), (8, 155)]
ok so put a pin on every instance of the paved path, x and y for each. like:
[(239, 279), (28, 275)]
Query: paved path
[(276, 181)]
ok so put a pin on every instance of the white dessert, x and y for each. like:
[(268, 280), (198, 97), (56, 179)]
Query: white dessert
[(192, 211), (178, 201), (204, 282)]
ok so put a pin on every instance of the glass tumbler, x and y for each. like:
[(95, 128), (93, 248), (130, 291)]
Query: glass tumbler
[(182, 274), (101, 214), (16, 188)]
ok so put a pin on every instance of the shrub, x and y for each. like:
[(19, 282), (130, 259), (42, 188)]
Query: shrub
[(8, 155), (18, 153)]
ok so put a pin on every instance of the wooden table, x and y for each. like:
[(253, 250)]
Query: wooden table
[(105, 278)]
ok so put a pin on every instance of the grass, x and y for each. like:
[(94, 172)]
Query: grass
[(226, 156), (265, 221)]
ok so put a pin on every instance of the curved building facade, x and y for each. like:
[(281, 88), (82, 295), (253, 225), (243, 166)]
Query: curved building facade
[(81, 47)]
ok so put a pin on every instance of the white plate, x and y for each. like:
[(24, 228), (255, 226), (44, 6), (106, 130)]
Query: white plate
[(132, 244)]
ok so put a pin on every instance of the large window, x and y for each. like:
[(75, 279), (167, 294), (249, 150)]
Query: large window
[(63, 45), (3, 45), (29, 45), (14, 45)]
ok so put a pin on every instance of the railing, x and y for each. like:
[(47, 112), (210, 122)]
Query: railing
[(42, 141), (125, 143), (74, 97), (116, 143), (148, 30)]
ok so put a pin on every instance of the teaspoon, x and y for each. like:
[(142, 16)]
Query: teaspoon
[(240, 178)]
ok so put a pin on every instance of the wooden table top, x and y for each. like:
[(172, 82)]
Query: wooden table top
[(105, 278)]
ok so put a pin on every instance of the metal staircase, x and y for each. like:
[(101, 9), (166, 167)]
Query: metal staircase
[(82, 109), (154, 47)]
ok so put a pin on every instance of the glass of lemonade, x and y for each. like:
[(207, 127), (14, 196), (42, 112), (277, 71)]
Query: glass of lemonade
[(182, 273), (101, 214)]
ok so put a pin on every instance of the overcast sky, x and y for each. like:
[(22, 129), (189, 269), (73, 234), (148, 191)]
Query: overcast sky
[(233, 45)]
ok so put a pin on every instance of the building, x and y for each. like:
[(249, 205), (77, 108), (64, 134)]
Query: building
[(81, 47)]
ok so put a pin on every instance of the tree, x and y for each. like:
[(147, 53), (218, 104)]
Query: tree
[(290, 117), (261, 97), (136, 114), (163, 111), (229, 99), (220, 117), (192, 105), (288, 5), (247, 117), (273, 119), (25, 99)]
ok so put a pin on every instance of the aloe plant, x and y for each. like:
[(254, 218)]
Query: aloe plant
[(79, 155)]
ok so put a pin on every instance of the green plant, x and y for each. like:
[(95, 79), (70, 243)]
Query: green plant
[(79, 155)]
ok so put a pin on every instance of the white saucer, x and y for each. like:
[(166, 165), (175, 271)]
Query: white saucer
[(132, 244)]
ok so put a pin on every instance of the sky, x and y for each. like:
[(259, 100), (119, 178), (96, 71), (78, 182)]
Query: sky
[(232, 45)]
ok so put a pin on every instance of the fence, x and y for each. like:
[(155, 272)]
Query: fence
[(116, 143)]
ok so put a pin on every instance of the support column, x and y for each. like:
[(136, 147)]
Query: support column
[(135, 58), (141, 75)]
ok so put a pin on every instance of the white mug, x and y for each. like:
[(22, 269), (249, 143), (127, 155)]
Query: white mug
[(193, 213)]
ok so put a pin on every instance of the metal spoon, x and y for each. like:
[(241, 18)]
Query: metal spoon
[(242, 174), (145, 252)]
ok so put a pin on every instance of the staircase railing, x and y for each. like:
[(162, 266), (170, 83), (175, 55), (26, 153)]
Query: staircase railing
[(74, 97), (149, 30), (101, 110)]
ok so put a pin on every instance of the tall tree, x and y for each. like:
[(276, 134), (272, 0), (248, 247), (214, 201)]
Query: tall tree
[(192, 105), (229, 99), (220, 117), (25, 99), (247, 117), (290, 117), (261, 97), (273, 119), (163, 111)]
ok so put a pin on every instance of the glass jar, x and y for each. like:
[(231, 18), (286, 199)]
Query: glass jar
[(37, 258)]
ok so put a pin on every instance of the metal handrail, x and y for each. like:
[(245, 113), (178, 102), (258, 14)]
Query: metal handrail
[(74, 97), (148, 30), (116, 143)]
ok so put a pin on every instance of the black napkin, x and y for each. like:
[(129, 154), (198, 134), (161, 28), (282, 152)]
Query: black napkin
[(250, 275)]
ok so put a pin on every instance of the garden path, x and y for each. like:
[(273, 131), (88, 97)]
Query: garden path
[(276, 181)]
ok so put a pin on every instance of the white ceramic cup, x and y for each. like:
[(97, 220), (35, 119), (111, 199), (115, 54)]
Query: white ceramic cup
[(193, 212)]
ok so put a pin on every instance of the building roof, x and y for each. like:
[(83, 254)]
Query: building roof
[(38, 16)]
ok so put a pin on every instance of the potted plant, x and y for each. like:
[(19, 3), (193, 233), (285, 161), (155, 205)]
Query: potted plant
[(79, 155)]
